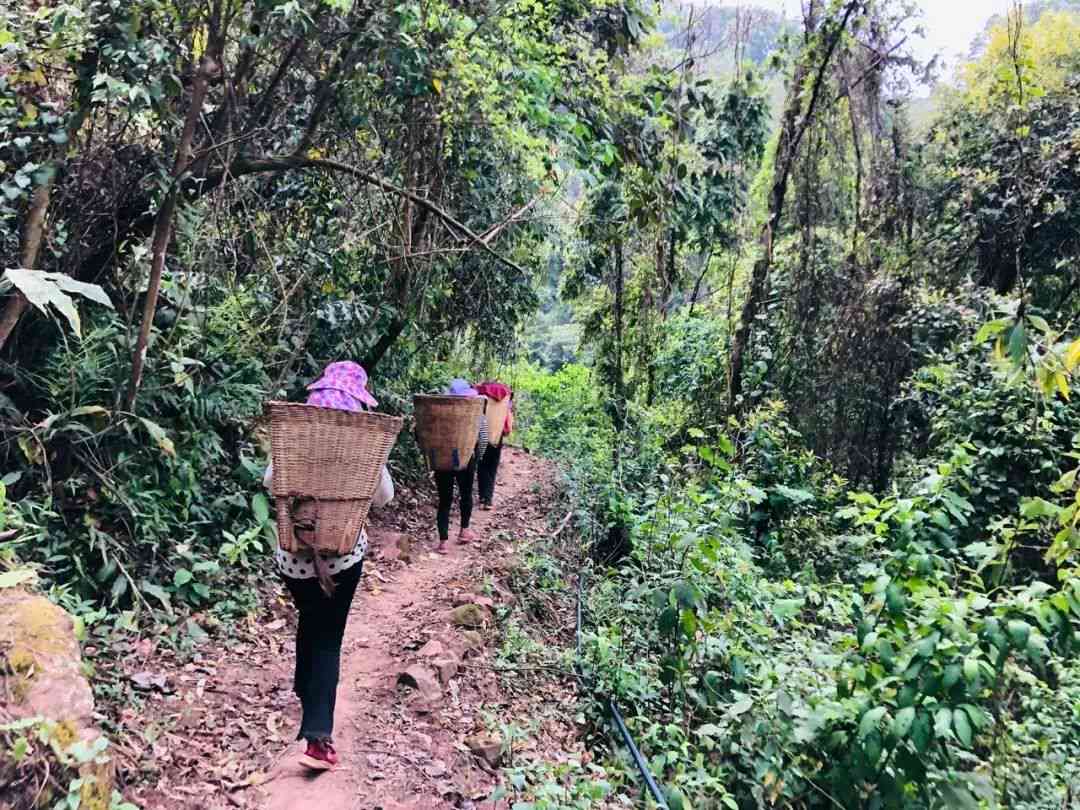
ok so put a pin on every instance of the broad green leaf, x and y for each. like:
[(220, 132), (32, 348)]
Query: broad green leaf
[(870, 720), (979, 718), (951, 676), (1040, 324), (921, 732), (741, 707), (787, 608), (971, 669), (158, 593), (1018, 344), (260, 507), (902, 722), (1019, 632), (942, 721), (45, 290), (991, 329), (182, 577), (962, 726), (926, 646)]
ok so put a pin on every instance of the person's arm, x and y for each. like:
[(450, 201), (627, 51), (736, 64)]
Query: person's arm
[(384, 491), (268, 476)]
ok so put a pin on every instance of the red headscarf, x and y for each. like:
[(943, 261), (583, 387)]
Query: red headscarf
[(493, 390), (498, 392)]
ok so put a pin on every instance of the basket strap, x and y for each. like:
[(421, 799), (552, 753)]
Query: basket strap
[(326, 582)]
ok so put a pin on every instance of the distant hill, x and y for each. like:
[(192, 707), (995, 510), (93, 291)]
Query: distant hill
[(717, 28)]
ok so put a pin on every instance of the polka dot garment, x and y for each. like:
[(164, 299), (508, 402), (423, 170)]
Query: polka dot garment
[(302, 566)]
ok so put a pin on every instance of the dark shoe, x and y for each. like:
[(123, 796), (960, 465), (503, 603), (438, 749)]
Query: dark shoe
[(485, 505), (320, 756)]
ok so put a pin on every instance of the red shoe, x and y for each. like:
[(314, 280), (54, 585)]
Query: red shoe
[(320, 756)]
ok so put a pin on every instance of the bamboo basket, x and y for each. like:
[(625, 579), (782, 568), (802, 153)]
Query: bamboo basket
[(327, 465), (496, 416), (447, 429)]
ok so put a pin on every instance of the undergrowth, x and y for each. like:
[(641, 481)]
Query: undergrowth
[(777, 638)]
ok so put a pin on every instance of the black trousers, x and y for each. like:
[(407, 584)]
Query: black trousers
[(486, 472), (444, 482), (318, 648)]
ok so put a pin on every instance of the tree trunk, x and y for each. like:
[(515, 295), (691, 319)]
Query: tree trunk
[(208, 67), (793, 126), (620, 381), (33, 236), (34, 232), (376, 353)]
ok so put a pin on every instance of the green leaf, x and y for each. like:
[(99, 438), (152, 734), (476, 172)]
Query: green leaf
[(955, 797), (675, 799), (119, 587), (870, 720), (159, 593), (787, 608), (1019, 632), (925, 648), (45, 290), (182, 577), (962, 726), (894, 599), (902, 722), (942, 721), (1040, 324), (979, 718), (971, 669), (952, 675), (88, 410), (158, 434), (1018, 344), (260, 507), (991, 329), (921, 732)]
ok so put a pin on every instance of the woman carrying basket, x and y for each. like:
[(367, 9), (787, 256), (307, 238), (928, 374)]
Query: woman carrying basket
[(323, 597), (444, 481), (488, 467)]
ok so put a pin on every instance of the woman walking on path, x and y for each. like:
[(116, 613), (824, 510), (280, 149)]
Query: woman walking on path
[(488, 468), (323, 603), (445, 480)]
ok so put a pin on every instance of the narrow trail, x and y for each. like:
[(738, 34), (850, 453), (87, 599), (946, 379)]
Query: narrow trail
[(405, 748)]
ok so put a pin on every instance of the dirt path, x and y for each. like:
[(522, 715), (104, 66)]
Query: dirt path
[(405, 747), (207, 723)]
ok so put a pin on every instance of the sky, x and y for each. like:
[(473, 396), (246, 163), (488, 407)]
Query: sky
[(950, 25)]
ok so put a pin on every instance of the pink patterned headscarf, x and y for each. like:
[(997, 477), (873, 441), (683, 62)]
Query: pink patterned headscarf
[(343, 385)]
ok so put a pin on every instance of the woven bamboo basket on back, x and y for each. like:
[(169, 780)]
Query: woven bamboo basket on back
[(327, 465), (447, 429), (496, 416)]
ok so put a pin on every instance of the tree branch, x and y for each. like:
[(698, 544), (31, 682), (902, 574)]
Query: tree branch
[(243, 166)]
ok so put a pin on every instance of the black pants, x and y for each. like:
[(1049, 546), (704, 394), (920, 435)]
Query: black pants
[(486, 472), (444, 482), (318, 648)]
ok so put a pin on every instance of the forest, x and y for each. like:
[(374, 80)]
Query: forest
[(789, 307)]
